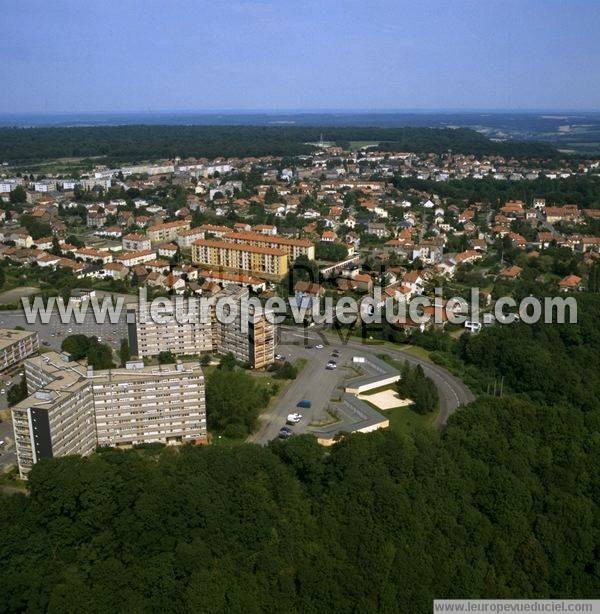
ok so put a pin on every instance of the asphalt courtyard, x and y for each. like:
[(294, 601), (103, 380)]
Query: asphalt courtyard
[(52, 334)]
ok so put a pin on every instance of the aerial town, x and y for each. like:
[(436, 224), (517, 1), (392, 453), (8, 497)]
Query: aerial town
[(335, 223), (299, 307)]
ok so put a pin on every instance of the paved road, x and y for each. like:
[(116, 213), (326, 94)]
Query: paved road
[(452, 391), (318, 385), (8, 455)]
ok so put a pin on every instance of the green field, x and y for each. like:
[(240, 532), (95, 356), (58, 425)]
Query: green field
[(406, 421), (358, 144)]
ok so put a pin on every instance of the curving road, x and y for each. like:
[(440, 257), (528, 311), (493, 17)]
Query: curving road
[(452, 391)]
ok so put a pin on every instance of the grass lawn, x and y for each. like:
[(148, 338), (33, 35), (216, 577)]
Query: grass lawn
[(8, 297), (406, 421), (398, 363), (221, 440), (417, 351), (359, 144), (413, 350), (11, 480)]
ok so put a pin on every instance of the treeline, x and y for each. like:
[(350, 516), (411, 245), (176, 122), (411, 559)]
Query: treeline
[(415, 385), (235, 399), (545, 363), (460, 140), (144, 142), (584, 191), (503, 505)]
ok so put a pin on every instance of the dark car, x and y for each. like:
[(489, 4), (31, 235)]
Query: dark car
[(285, 432)]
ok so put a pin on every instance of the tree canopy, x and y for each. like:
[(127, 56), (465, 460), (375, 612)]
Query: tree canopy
[(415, 385), (98, 355), (234, 399), (503, 504), (143, 142)]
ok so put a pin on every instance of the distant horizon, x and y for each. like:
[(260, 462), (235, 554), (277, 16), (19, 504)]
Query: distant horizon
[(310, 111)]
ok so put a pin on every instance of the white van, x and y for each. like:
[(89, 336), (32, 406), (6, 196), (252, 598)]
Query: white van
[(473, 327)]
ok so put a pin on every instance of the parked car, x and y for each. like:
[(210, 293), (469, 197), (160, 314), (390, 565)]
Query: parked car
[(293, 418), (279, 357), (285, 432), (319, 346), (305, 404)]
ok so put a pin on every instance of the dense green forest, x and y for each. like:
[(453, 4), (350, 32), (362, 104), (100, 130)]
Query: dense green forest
[(545, 363), (130, 143), (503, 504), (584, 191)]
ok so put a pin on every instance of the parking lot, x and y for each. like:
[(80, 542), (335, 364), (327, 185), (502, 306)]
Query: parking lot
[(52, 334), (322, 387)]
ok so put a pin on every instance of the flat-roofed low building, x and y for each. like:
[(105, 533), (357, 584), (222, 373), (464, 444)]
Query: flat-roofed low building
[(16, 345)]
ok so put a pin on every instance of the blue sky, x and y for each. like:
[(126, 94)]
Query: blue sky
[(152, 55)]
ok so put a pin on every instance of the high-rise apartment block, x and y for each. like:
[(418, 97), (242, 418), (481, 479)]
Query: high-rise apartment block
[(268, 262), (73, 409), (16, 345), (184, 328), (191, 326)]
